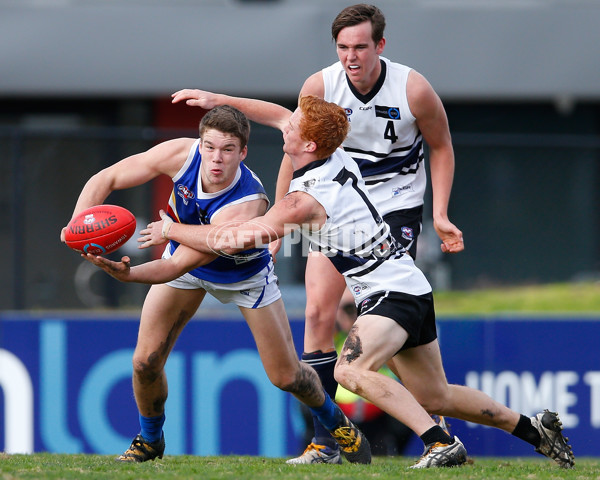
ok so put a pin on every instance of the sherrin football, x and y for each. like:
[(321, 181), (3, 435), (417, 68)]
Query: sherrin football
[(100, 229)]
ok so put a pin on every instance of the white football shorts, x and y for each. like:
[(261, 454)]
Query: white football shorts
[(258, 291)]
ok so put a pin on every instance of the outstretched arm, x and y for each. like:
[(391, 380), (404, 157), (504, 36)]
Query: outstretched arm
[(259, 111), (287, 215), (431, 118), (164, 158), (184, 258), (157, 271)]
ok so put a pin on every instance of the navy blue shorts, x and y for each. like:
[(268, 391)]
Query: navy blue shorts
[(406, 225), (414, 313)]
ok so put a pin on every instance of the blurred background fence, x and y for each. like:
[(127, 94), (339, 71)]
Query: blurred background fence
[(525, 195)]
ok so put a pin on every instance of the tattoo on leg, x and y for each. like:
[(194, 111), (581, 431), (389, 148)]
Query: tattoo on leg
[(150, 370), (149, 374), (353, 346), (488, 413), (307, 386), (174, 333)]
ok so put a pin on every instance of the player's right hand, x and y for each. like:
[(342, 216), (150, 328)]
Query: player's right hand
[(119, 270)]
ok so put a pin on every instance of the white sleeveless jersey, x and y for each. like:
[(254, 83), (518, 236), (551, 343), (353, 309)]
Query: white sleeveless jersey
[(384, 139), (355, 238)]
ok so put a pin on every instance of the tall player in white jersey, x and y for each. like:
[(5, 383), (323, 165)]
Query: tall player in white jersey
[(392, 111), (328, 203), (384, 140)]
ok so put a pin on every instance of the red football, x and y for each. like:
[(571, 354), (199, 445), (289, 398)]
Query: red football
[(100, 230)]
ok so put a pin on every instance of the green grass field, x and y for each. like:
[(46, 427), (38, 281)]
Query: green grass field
[(49, 466), (557, 299)]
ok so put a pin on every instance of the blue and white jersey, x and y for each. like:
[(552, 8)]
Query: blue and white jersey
[(384, 139), (190, 205), (355, 237)]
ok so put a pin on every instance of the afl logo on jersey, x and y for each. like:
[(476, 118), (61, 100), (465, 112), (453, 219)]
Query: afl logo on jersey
[(348, 112), (185, 193), (407, 233), (387, 112), (359, 288)]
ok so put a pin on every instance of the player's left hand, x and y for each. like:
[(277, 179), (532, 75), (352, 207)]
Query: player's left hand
[(156, 232), (451, 236)]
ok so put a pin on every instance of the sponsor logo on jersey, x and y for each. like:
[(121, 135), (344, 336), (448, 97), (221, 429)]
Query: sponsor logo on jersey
[(307, 184), (407, 233), (185, 193), (369, 107), (245, 292), (387, 112), (247, 257), (399, 190), (359, 288)]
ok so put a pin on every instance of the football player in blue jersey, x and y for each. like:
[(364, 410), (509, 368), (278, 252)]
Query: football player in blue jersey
[(211, 185)]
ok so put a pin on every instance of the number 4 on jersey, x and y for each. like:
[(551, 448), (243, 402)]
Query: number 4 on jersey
[(390, 132)]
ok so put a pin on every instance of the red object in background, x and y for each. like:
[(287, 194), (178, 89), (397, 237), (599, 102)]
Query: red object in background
[(170, 116), (360, 411)]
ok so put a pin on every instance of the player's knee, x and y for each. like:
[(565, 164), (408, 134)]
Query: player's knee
[(146, 370), (433, 402), (347, 376), (284, 377), (284, 381), (432, 406), (312, 313), (320, 317)]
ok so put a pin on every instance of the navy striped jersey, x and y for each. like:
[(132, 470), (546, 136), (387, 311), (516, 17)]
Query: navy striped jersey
[(355, 237), (384, 139)]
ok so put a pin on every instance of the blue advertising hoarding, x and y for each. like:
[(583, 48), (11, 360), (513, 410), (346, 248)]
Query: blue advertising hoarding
[(66, 384)]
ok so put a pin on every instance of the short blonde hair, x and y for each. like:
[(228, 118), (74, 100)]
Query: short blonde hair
[(324, 123)]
